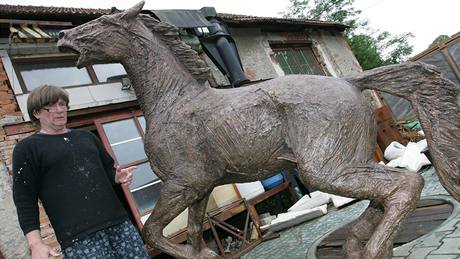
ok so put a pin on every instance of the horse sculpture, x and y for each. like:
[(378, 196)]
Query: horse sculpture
[(198, 137)]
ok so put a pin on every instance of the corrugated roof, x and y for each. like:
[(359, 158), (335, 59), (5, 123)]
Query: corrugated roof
[(21, 10), (237, 18)]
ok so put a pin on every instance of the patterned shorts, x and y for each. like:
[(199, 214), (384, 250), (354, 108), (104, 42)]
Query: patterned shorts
[(119, 241)]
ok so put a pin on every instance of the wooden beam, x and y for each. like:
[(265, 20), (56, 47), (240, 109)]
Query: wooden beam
[(46, 23)]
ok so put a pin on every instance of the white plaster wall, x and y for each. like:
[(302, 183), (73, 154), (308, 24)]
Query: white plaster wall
[(336, 52), (13, 244)]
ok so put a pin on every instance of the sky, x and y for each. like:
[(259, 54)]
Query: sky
[(426, 19)]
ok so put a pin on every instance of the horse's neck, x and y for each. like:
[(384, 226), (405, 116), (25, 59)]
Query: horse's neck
[(157, 77)]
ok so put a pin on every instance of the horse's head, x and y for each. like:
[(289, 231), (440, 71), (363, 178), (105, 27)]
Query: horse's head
[(103, 40)]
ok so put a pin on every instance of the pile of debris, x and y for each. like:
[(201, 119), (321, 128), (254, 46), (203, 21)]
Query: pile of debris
[(412, 157), (307, 208)]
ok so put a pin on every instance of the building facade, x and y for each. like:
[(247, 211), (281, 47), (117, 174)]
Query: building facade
[(102, 100)]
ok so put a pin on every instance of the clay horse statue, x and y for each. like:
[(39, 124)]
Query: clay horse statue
[(198, 137)]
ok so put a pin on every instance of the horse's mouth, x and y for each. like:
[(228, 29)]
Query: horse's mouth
[(66, 48)]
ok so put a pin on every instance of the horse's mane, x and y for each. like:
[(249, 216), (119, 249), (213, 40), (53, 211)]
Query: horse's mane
[(169, 34)]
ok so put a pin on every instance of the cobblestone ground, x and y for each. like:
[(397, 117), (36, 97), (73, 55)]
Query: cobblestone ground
[(296, 242)]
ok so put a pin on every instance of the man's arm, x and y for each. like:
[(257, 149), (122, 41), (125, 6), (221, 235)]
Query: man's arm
[(25, 190), (25, 196)]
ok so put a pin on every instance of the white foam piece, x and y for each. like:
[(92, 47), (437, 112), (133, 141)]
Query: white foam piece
[(289, 219), (317, 199), (339, 201), (250, 190), (394, 150), (411, 158)]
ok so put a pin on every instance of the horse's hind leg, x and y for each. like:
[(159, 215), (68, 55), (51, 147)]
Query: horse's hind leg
[(362, 230), (397, 190)]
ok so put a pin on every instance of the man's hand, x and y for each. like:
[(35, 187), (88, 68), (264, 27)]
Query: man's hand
[(124, 176), (38, 249), (41, 250)]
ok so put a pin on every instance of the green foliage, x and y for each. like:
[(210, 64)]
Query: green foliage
[(371, 48), (439, 39), (341, 11)]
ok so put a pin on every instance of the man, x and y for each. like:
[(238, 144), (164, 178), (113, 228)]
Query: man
[(75, 179)]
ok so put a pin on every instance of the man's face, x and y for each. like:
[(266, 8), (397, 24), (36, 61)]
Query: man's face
[(53, 116)]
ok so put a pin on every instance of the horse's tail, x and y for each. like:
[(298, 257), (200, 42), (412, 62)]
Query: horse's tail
[(434, 98)]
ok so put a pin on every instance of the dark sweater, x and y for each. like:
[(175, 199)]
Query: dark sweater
[(73, 176)]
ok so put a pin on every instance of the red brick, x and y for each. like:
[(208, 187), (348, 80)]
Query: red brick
[(8, 142), (4, 87), (9, 108), (6, 98)]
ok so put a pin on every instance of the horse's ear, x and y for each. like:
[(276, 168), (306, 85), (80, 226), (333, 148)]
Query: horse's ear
[(134, 11)]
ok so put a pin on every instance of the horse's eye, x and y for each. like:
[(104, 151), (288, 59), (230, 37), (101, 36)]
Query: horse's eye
[(104, 20)]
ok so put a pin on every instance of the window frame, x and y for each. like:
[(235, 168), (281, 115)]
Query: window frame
[(298, 46), (133, 114), (16, 61)]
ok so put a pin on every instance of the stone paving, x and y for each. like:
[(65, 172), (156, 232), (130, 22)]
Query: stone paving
[(301, 241)]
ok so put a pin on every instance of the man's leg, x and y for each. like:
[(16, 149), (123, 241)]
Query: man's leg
[(126, 241), (95, 245)]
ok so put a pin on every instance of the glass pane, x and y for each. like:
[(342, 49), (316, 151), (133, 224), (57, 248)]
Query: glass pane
[(439, 60), (125, 140), (129, 151), (63, 73), (109, 72), (280, 57), (454, 50), (147, 197), (118, 131), (309, 61), (142, 122), (142, 176), (298, 61), (293, 63)]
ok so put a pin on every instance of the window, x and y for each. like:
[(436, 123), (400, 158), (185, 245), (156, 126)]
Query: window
[(297, 59), (63, 72), (124, 137), (109, 72), (59, 73)]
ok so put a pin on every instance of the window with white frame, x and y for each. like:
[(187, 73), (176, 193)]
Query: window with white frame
[(62, 71), (58, 73), (124, 137)]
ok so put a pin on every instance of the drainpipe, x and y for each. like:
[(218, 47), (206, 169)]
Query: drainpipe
[(221, 49)]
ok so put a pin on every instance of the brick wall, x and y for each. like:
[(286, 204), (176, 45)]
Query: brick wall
[(10, 113), (8, 105)]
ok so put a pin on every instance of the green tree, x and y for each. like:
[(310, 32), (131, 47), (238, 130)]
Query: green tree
[(439, 39), (371, 48)]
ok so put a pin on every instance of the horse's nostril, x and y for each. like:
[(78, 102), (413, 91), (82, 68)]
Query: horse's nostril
[(61, 34)]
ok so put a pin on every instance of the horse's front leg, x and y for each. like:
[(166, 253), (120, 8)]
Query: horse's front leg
[(175, 197), (195, 228)]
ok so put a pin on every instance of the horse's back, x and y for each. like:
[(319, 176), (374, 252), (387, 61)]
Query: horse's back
[(328, 120)]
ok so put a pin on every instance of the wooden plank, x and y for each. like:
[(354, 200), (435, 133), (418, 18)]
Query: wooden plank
[(46, 23), (23, 127), (269, 193)]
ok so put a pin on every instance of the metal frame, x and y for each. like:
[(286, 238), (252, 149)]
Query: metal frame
[(242, 235)]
